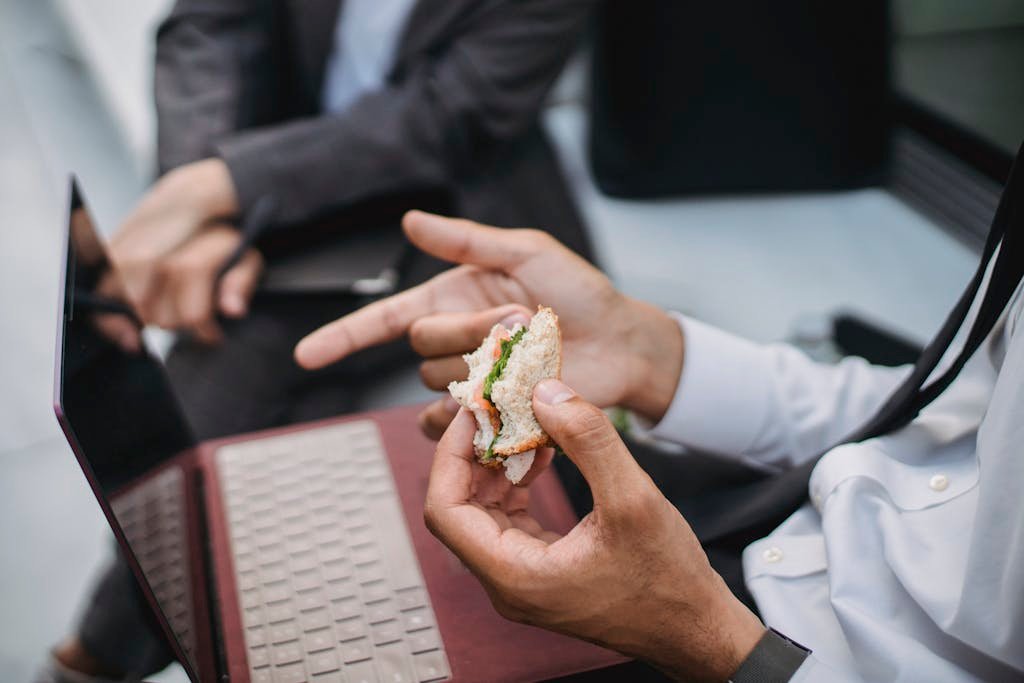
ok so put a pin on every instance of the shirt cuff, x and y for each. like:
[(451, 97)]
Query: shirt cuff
[(722, 399)]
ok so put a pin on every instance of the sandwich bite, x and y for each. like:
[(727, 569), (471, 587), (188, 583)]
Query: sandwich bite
[(499, 391)]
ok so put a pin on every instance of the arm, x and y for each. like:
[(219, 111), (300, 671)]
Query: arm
[(210, 57), (768, 404), (437, 123)]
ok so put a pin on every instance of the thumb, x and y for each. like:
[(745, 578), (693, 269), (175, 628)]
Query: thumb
[(588, 437), (462, 241), (239, 283)]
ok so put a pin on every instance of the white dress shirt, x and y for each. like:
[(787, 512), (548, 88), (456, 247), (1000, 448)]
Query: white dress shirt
[(365, 39), (908, 563)]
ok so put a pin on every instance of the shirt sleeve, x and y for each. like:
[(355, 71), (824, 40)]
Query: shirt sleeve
[(769, 405)]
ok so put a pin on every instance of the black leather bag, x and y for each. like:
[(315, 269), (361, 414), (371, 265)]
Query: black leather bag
[(748, 96)]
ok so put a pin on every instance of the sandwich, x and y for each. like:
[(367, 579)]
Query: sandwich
[(499, 391)]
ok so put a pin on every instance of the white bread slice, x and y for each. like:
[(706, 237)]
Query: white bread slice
[(536, 357)]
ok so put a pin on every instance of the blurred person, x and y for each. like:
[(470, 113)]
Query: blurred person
[(907, 562), (334, 111)]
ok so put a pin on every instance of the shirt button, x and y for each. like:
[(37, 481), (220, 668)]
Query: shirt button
[(772, 555), (939, 482)]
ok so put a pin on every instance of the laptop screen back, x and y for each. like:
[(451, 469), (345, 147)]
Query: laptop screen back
[(124, 421)]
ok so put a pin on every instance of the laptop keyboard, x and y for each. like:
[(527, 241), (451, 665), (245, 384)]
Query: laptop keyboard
[(152, 517), (329, 583)]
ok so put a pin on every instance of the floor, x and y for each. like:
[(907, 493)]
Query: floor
[(755, 265)]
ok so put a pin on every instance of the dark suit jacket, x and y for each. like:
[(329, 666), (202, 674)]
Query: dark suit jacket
[(242, 79)]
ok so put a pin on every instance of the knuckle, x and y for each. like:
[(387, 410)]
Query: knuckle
[(589, 425), (538, 240), (419, 336)]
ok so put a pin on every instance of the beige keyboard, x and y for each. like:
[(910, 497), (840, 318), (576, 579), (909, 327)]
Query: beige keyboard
[(328, 580), (152, 517)]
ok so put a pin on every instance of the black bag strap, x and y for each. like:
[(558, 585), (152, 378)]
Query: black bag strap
[(752, 511)]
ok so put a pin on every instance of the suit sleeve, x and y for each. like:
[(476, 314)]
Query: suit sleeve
[(768, 405), (440, 122), (214, 60)]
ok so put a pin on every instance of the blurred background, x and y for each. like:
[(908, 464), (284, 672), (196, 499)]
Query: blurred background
[(841, 205)]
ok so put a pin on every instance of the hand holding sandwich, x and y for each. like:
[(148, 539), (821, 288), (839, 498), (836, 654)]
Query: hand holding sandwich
[(617, 350), (630, 576)]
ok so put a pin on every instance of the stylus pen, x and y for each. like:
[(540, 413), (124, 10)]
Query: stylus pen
[(258, 219)]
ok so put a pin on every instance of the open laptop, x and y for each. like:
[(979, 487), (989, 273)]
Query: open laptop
[(294, 555)]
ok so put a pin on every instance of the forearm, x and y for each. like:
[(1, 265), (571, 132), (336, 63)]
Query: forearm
[(441, 119), (214, 74)]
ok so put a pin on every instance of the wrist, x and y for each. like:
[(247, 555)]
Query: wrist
[(209, 187), (657, 349)]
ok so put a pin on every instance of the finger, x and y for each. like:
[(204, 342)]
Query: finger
[(238, 284), (436, 417), (445, 334), (193, 303), (379, 322), (462, 241), (466, 528), (588, 437), (437, 373)]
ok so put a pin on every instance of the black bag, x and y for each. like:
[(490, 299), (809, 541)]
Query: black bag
[(744, 96)]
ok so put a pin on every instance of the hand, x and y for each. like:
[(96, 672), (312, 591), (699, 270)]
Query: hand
[(618, 351), (165, 251), (630, 576), (185, 293)]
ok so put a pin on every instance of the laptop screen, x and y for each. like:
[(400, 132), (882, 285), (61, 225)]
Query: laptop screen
[(124, 421)]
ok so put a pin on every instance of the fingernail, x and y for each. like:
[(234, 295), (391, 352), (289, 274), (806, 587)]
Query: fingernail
[(451, 405), (233, 304), (552, 392), (510, 321)]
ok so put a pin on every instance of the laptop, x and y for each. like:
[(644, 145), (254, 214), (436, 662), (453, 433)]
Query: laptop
[(293, 555)]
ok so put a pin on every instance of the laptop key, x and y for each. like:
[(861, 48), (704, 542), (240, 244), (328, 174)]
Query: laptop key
[(259, 657), (290, 673), (361, 672), (316, 641), (375, 591), (307, 580), (431, 666), (387, 632), (261, 676), (283, 633), (350, 629), (333, 677), (356, 651), (417, 619), (316, 619), (278, 592), (311, 600), (340, 590), (423, 641), (410, 598), (346, 609), (256, 636), (279, 612), (381, 611), (287, 653), (393, 665), (324, 662)]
